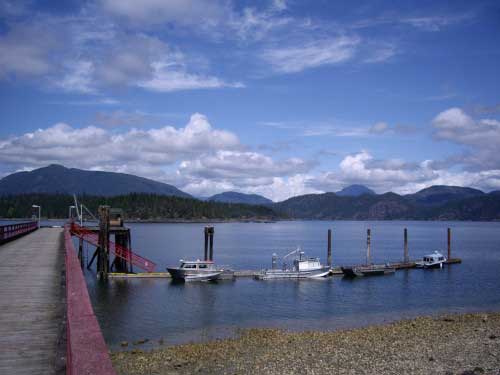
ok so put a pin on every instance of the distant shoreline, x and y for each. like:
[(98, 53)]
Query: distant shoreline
[(256, 220)]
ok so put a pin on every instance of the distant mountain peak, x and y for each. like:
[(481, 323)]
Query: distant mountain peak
[(237, 197), (355, 190), (56, 178)]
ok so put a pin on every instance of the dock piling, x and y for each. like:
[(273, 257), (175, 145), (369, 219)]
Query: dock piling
[(206, 244), (368, 242), (449, 243), (406, 255), (103, 256), (329, 253), (209, 238)]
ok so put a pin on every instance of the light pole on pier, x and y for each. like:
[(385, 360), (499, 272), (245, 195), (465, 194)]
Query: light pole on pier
[(39, 213), (69, 212)]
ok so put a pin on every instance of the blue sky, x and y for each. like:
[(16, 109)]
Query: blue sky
[(275, 97)]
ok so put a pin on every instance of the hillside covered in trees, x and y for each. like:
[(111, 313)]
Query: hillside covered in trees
[(135, 206)]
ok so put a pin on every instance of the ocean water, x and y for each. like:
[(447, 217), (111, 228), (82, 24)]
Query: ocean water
[(156, 309)]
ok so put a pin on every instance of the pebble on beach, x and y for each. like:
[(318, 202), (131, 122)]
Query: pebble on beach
[(455, 344)]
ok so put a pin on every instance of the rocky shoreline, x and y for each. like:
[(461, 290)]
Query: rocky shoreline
[(452, 344)]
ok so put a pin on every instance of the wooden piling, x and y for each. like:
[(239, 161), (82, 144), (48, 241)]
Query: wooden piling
[(368, 242), (211, 238), (449, 243), (103, 256), (206, 244), (329, 253), (406, 255)]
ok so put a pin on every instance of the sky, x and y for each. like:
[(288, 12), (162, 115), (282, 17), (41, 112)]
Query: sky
[(274, 97)]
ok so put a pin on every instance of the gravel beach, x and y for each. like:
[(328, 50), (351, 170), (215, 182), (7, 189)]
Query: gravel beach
[(451, 344)]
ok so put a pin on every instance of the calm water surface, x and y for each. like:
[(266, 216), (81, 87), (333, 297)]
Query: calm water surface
[(132, 309)]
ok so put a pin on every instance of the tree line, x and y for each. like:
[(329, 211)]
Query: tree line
[(135, 206)]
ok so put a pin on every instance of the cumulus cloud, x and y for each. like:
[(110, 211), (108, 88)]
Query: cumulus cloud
[(479, 135), (92, 146), (399, 176), (197, 157), (243, 165)]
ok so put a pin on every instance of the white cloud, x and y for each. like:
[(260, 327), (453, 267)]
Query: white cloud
[(379, 127), (25, 50), (251, 167), (197, 158), (434, 23), (166, 79), (380, 53), (481, 136), (78, 78), (313, 54), (93, 146), (184, 12)]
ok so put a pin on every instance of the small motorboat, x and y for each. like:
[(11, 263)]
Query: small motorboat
[(302, 268), (199, 270), (368, 270), (434, 260)]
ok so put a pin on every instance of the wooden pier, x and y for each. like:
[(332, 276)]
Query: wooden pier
[(31, 302)]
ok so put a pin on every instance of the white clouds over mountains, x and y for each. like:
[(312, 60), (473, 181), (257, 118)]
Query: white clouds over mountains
[(204, 160)]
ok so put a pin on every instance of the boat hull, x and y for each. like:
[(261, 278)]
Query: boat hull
[(193, 275), (367, 271), (430, 266), (290, 274)]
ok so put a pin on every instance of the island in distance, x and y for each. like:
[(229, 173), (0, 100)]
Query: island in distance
[(355, 202)]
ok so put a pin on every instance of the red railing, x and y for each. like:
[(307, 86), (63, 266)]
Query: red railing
[(119, 251), (87, 352), (11, 231)]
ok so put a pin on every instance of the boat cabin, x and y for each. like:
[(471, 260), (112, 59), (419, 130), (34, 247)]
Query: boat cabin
[(307, 264), (197, 265), (432, 258)]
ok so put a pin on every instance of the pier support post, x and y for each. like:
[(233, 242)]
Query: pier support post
[(368, 243), (103, 256), (121, 239), (406, 255), (449, 243), (206, 244), (329, 253), (211, 237)]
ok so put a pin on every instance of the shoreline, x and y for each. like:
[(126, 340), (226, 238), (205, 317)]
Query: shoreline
[(444, 344), (261, 220)]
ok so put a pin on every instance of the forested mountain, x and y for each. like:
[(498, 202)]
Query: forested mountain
[(440, 194), (58, 179), (52, 187), (355, 191), (235, 197), (135, 206), (391, 206)]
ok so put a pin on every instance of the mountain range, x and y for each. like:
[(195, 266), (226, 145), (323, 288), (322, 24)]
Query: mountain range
[(58, 179), (236, 197), (355, 202)]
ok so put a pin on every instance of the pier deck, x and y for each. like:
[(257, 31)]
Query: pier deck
[(31, 303)]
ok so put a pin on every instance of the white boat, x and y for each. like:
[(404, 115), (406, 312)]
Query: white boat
[(302, 268), (196, 270), (434, 260)]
